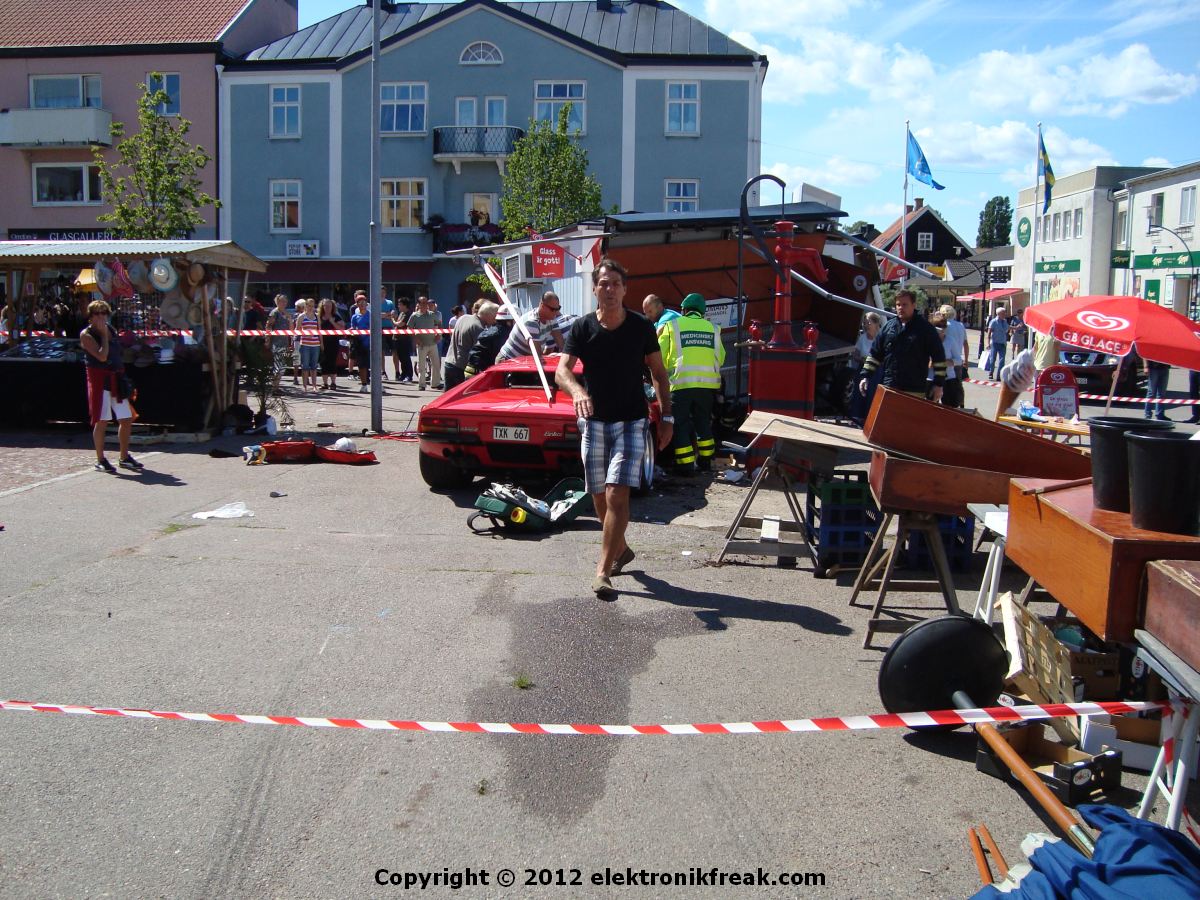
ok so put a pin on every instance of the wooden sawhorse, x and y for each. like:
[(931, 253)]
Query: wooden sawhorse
[(881, 558), (770, 528)]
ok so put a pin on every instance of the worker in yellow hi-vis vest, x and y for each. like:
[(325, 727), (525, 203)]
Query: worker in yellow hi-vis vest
[(692, 353)]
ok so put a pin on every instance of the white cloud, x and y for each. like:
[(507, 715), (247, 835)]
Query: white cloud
[(886, 213), (1042, 84), (1157, 161), (792, 17), (826, 62), (835, 173)]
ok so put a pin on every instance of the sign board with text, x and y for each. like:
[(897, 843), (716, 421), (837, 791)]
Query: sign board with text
[(304, 249), (548, 261)]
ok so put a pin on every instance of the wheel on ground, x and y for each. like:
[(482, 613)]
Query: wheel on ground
[(441, 473)]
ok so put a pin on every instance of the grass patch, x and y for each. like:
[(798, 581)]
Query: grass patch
[(522, 682), (174, 527)]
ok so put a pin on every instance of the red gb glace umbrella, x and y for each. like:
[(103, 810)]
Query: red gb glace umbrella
[(1116, 325)]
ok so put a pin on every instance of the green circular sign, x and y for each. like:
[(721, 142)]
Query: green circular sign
[(1024, 232)]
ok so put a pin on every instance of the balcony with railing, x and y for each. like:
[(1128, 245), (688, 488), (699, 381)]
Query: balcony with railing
[(457, 144), (58, 127), (452, 236)]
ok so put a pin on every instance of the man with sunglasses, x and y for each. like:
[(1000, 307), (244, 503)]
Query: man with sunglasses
[(546, 317)]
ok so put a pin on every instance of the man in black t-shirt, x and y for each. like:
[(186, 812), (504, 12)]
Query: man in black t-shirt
[(614, 344)]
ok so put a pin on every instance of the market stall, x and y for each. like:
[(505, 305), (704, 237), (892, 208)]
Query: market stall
[(170, 309)]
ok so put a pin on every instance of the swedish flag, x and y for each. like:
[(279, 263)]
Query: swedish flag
[(1045, 171)]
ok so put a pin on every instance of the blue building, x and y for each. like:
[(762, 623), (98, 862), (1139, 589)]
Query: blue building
[(668, 108)]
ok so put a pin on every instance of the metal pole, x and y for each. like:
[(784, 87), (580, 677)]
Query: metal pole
[(376, 304), (1037, 222), (1191, 265)]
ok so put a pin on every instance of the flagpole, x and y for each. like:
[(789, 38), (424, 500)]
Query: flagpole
[(904, 210), (1037, 218)]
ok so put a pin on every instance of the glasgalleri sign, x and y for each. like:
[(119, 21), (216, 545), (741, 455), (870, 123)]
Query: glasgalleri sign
[(59, 234)]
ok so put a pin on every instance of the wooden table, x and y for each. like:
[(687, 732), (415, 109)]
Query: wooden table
[(1090, 560), (1054, 429)]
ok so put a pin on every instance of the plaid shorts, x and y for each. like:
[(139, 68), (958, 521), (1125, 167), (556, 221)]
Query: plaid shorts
[(615, 453)]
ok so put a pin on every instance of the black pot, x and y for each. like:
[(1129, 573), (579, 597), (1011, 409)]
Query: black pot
[(1164, 482), (1110, 461)]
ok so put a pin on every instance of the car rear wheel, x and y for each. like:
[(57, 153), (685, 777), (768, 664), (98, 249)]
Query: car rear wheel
[(441, 473)]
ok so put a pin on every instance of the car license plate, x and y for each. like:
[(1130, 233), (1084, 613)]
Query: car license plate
[(510, 433)]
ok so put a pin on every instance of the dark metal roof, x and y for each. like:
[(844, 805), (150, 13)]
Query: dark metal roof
[(707, 218), (635, 30)]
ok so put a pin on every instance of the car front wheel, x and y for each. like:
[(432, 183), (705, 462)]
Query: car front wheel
[(441, 473)]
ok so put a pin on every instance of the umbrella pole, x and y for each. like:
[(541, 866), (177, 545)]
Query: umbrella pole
[(1113, 389)]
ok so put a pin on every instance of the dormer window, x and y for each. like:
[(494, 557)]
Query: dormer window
[(481, 53)]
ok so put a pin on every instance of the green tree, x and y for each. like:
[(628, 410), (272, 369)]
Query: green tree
[(995, 223), (153, 187), (546, 181)]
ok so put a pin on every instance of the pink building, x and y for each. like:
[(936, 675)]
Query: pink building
[(59, 96)]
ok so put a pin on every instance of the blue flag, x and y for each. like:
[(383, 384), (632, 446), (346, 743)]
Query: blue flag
[(918, 168), (1045, 171)]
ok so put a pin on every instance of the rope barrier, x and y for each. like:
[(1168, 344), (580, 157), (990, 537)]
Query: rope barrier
[(830, 723)]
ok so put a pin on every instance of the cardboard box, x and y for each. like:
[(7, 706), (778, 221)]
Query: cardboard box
[(1136, 738), (1074, 776)]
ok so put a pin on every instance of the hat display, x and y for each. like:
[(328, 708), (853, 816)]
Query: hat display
[(163, 275), (694, 302), (174, 309), (139, 275), (122, 286), (195, 273), (104, 278), (195, 314)]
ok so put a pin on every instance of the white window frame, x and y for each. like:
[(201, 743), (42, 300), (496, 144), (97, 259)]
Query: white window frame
[(386, 199), (1187, 206), (178, 92), (1157, 205), (81, 80), (284, 198), (471, 54), (681, 198), (1122, 225), (493, 199), (556, 103), (285, 105), (1046, 228), (474, 102), (423, 103), (1057, 232), (487, 103), (681, 102), (924, 241), (87, 201), (1079, 222)]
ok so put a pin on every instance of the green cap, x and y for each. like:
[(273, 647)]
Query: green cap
[(693, 302)]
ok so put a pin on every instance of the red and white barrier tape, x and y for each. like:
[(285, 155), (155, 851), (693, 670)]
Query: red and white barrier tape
[(177, 332), (1167, 402), (833, 723)]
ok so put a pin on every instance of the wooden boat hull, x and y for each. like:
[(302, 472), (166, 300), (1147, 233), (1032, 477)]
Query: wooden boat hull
[(939, 434), (911, 485)]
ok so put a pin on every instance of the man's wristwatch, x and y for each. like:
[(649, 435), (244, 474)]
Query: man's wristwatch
[(670, 420)]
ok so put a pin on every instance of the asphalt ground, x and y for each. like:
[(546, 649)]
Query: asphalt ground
[(360, 593)]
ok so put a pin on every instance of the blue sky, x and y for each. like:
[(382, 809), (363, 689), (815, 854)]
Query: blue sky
[(1112, 83)]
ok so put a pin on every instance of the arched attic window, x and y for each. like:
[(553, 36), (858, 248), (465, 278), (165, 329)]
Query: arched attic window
[(481, 53)]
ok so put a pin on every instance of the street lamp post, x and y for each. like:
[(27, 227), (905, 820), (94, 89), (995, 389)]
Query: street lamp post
[(982, 271), (1193, 295)]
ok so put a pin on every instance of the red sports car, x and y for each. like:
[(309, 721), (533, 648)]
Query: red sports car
[(499, 421)]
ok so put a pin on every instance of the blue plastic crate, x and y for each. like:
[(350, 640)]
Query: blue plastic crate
[(957, 536)]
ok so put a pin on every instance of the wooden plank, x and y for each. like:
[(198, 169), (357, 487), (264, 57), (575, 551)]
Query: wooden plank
[(806, 431), (905, 484), (936, 433)]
